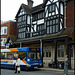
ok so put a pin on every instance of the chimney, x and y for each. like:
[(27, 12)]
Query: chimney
[(44, 1), (30, 3)]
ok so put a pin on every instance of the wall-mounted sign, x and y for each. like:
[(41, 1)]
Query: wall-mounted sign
[(7, 45)]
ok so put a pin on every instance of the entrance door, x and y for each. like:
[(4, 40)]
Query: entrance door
[(47, 55)]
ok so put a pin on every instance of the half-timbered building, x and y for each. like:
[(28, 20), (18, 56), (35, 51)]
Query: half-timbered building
[(50, 26)]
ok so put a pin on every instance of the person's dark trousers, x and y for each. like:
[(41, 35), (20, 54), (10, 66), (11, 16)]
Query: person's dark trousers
[(16, 69)]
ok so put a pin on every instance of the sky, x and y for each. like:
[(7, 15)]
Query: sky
[(9, 8)]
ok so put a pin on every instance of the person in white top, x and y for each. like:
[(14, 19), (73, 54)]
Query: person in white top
[(17, 65)]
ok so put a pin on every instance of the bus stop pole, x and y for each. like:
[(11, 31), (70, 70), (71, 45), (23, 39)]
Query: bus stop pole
[(20, 44)]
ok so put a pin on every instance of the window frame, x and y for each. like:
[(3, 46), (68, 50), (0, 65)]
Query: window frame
[(51, 25), (3, 29), (61, 50), (3, 41)]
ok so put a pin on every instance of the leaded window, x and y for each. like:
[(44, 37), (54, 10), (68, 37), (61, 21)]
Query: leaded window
[(52, 26), (52, 8), (40, 27), (41, 15), (34, 17)]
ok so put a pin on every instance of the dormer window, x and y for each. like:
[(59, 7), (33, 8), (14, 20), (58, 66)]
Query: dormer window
[(52, 8), (53, 19)]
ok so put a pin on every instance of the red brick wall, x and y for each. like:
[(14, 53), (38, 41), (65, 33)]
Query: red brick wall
[(70, 13), (11, 30)]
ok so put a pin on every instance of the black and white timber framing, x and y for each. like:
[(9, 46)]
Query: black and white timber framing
[(48, 20)]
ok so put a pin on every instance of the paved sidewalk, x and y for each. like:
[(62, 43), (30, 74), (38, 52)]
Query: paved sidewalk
[(57, 70)]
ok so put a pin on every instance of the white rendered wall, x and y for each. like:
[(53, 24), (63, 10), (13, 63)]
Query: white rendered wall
[(61, 9), (40, 21)]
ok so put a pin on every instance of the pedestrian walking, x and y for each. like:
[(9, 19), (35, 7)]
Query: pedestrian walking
[(66, 63), (17, 65)]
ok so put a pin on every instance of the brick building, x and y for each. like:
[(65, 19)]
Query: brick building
[(50, 26), (8, 31)]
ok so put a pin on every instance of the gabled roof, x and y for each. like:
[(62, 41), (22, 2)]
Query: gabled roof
[(26, 9), (37, 8), (29, 10), (34, 9)]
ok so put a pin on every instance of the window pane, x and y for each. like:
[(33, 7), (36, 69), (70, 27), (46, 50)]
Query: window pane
[(62, 46), (47, 30), (50, 9), (56, 21), (4, 30), (53, 21), (49, 54), (54, 29), (25, 17), (47, 23), (46, 54), (50, 29), (49, 51), (50, 22), (58, 53), (60, 50), (62, 53), (53, 7)]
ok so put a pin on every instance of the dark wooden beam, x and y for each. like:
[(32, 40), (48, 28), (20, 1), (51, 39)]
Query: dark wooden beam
[(67, 51), (55, 53)]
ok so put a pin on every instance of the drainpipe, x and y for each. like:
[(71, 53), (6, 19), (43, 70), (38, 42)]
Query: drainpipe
[(65, 14), (31, 27)]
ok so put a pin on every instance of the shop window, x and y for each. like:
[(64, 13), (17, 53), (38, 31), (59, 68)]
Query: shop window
[(60, 50), (48, 51)]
